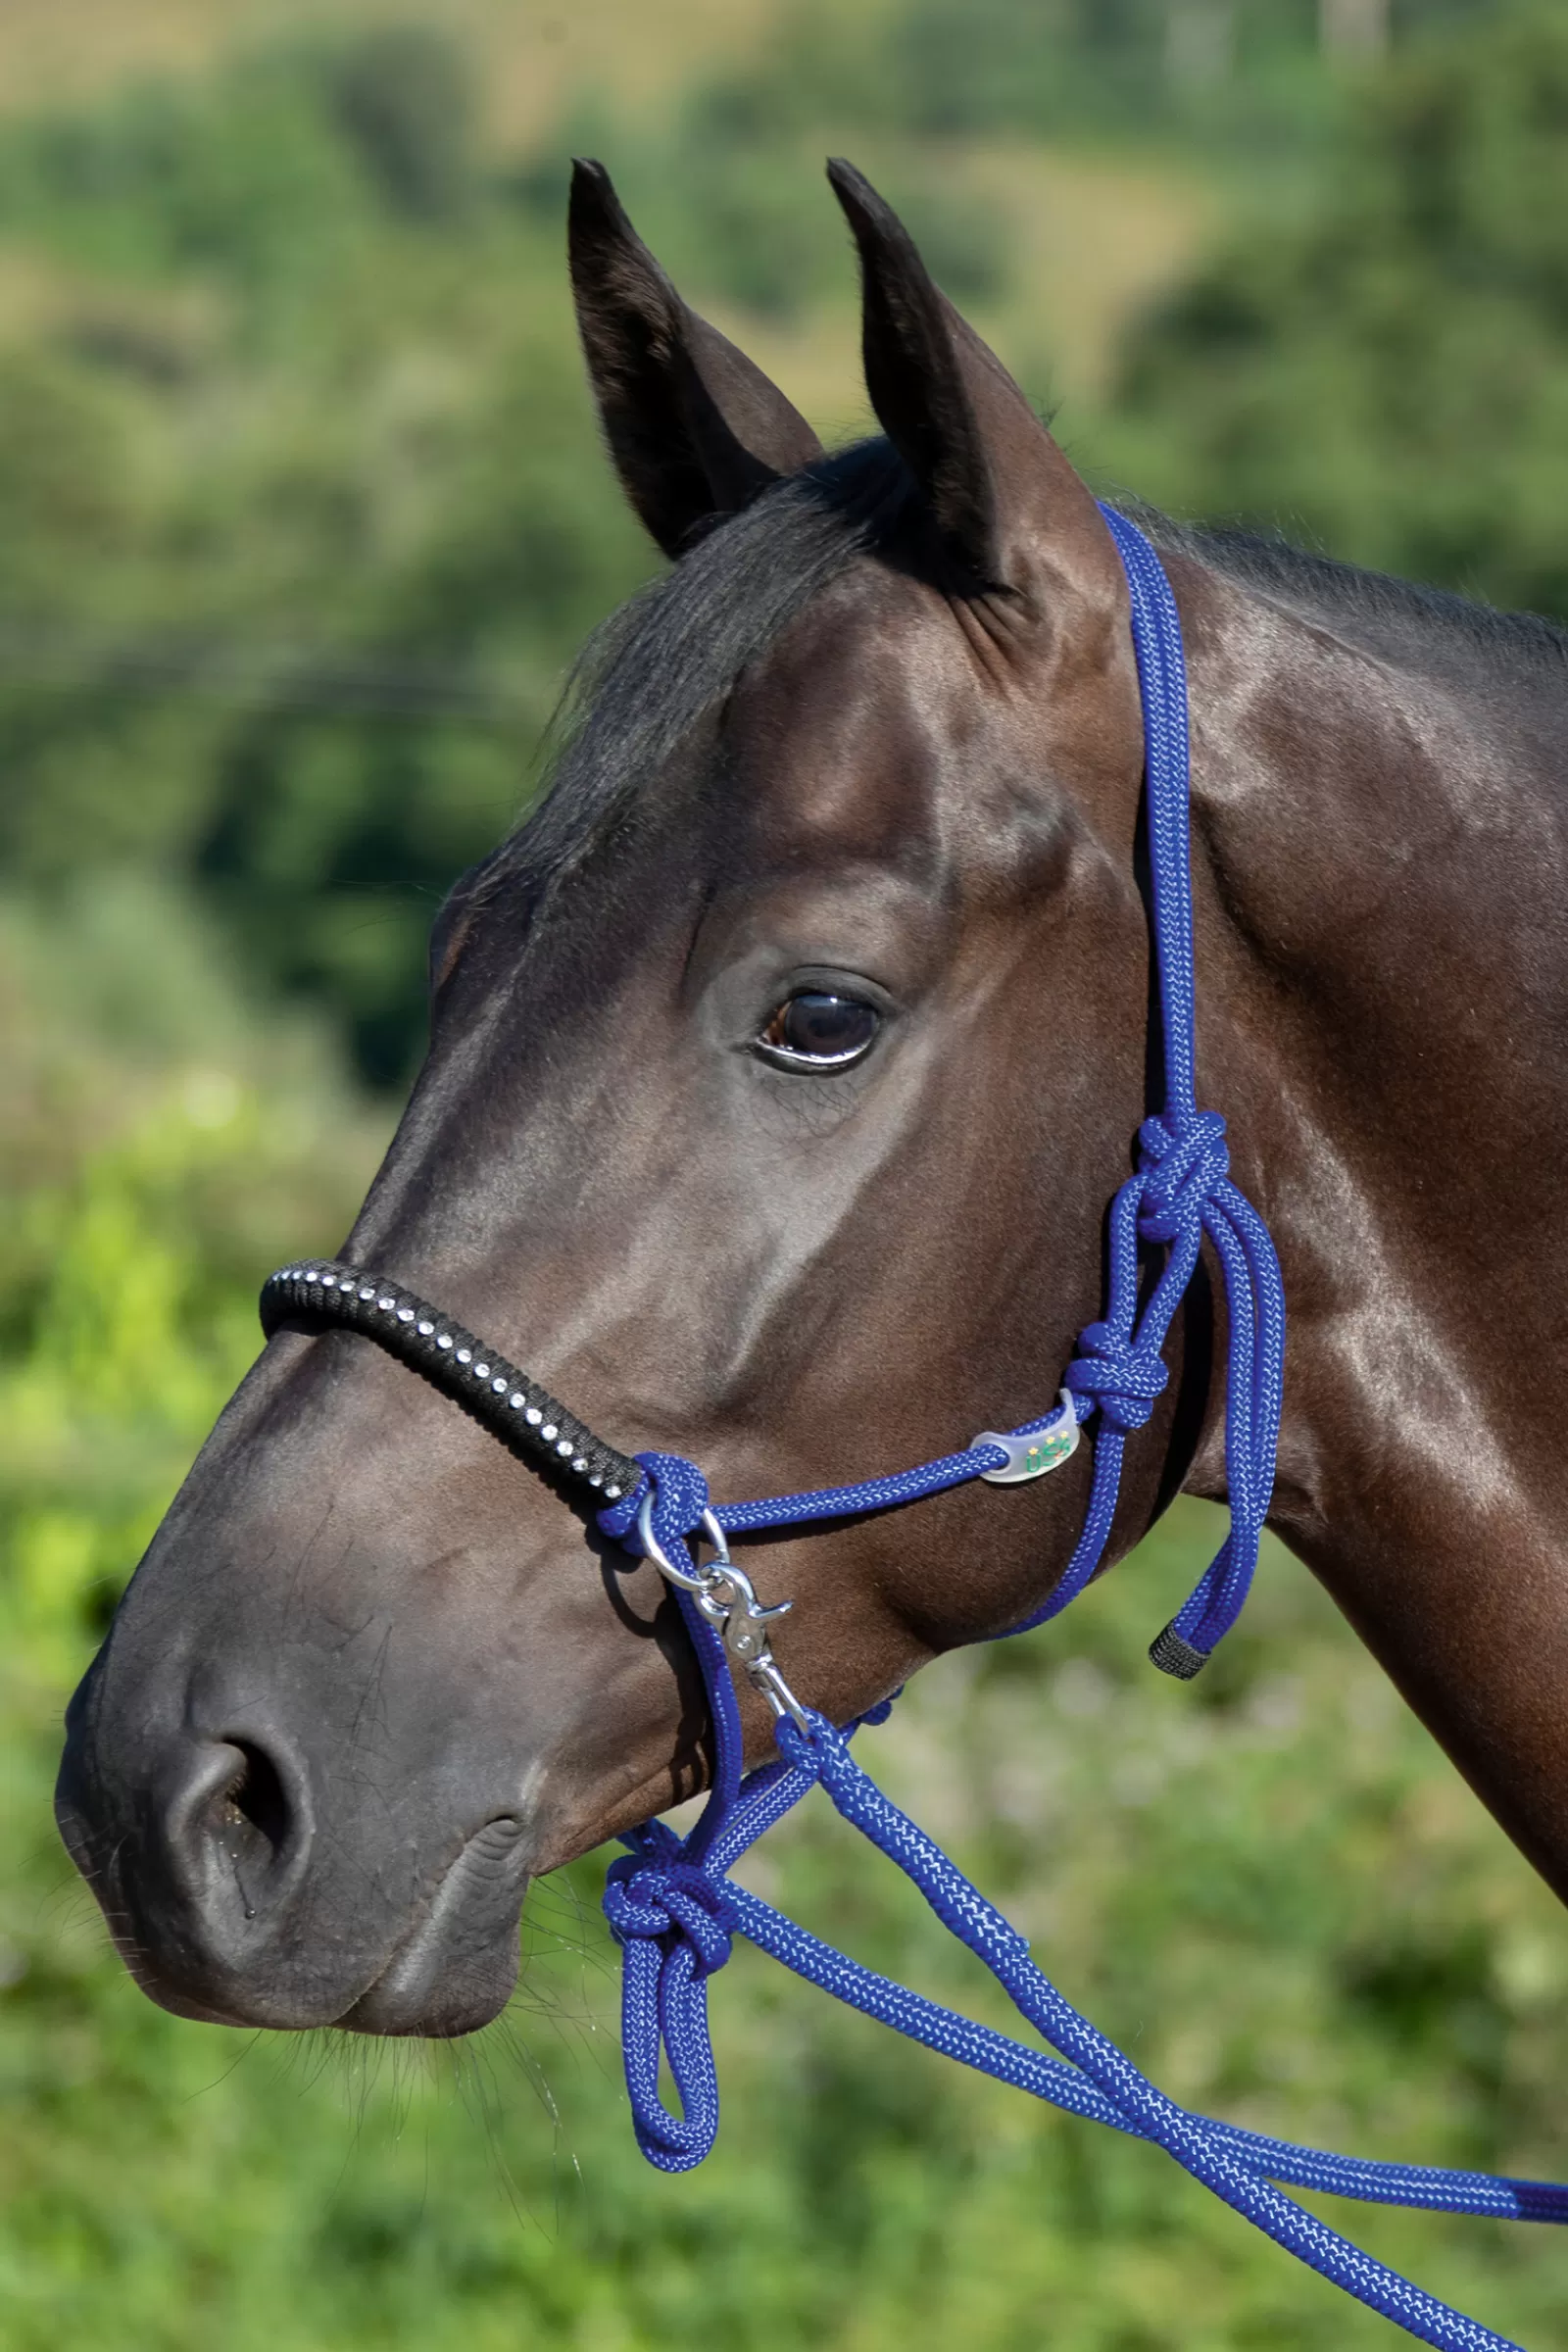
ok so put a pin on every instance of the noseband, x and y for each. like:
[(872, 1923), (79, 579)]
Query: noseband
[(672, 1904)]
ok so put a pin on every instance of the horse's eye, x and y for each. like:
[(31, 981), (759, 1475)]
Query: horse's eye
[(816, 1030)]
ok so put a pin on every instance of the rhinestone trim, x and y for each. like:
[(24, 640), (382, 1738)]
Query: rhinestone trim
[(495, 1392)]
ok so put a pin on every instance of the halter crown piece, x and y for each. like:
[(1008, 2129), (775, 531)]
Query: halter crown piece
[(671, 1902)]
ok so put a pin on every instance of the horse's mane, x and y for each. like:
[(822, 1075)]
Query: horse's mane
[(1428, 622), (669, 657)]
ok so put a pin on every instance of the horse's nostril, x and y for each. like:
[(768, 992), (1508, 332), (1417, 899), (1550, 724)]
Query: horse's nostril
[(238, 1827), (253, 1812)]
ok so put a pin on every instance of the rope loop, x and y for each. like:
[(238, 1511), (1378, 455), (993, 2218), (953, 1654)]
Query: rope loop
[(1182, 1164), (678, 1901), (1123, 1377), (801, 1749), (680, 1497)]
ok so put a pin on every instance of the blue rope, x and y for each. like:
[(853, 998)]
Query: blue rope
[(676, 1921), (1088, 2077), (671, 1903), (1180, 1190)]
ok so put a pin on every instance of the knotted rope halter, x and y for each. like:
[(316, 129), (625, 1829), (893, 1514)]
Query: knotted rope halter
[(672, 1904)]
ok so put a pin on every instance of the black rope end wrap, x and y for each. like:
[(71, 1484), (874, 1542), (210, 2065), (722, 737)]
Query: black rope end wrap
[(511, 1405), (1172, 1655)]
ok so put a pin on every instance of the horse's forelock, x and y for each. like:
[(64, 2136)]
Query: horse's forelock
[(677, 649)]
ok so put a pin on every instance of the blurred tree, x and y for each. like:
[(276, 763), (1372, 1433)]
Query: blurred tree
[(405, 95), (301, 512), (1247, 68), (1391, 380), (1354, 28), (1201, 43), (986, 65)]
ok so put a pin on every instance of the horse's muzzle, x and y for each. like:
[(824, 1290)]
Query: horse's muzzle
[(208, 1866)]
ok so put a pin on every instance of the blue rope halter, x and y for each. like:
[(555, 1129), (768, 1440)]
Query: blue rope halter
[(671, 1903)]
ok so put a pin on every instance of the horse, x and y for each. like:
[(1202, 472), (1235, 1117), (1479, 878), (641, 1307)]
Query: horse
[(779, 1067)]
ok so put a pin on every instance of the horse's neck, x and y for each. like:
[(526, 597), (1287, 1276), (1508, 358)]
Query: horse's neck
[(1381, 846)]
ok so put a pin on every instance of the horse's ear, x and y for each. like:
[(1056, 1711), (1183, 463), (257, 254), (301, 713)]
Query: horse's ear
[(1010, 508), (694, 430)]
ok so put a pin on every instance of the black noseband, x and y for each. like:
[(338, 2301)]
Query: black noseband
[(321, 1294)]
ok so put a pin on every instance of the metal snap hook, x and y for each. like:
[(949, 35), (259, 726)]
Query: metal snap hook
[(728, 1598), (764, 1675), (740, 1617)]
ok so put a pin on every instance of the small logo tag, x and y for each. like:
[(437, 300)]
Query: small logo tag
[(1031, 1454)]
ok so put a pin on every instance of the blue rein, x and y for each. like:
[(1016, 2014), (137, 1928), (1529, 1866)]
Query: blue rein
[(671, 1903)]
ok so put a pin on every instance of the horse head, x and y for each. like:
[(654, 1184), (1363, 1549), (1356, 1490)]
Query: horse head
[(779, 1069)]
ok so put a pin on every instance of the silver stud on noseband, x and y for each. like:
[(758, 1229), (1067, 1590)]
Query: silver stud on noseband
[(509, 1403)]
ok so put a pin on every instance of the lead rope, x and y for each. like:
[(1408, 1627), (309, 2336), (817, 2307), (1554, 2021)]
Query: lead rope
[(671, 1903), (675, 1922)]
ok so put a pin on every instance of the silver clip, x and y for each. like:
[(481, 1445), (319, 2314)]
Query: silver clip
[(731, 1604), (728, 1598), (763, 1673), (693, 1580), (722, 1591), (1031, 1454)]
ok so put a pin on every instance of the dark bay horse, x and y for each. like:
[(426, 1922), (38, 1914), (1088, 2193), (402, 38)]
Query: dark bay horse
[(781, 1069)]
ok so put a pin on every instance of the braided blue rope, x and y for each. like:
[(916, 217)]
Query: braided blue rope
[(671, 1903), (1426, 2186), (676, 1921)]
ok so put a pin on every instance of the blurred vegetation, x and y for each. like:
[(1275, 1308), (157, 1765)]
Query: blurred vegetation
[(301, 519), (301, 516), (1390, 378)]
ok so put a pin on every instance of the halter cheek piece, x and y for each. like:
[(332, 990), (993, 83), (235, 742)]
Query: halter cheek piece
[(672, 1904)]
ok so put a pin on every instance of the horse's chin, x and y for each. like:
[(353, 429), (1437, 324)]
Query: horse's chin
[(456, 1969)]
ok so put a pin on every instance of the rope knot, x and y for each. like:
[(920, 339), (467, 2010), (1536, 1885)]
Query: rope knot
[(1182, 1168), (677, 1900), (1122, 1378), (680, 1497)]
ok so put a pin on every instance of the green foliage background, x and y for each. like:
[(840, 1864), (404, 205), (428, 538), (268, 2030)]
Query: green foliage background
[(301, 519)]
